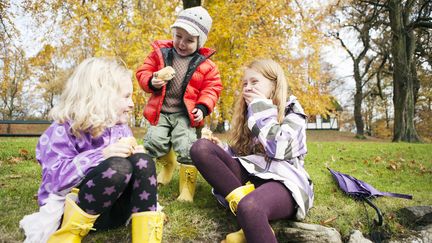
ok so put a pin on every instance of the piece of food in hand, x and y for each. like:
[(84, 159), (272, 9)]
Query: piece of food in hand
[(206, 133), (166, 73), (129, 141)]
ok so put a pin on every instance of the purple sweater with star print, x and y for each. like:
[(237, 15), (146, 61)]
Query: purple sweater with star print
[(66, 159)]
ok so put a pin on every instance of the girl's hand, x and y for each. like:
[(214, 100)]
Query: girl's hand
[(117, 149), (197, 114), (138, 149), (249, 94), (157, 83), (216, 141)]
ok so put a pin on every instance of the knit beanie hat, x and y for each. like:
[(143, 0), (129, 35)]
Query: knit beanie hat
[(196, 21)]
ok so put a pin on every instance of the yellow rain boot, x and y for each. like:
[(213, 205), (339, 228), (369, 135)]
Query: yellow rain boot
[(237, 194), (147, 227), (76, 223), (187, 183), (235, 237), (169, 162)]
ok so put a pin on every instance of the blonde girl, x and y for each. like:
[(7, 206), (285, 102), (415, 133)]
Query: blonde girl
[(91, 162), (260, 176)]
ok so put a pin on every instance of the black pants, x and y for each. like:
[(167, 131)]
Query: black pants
[(118, 187)]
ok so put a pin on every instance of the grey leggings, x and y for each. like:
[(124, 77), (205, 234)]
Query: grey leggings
[(270, 200)]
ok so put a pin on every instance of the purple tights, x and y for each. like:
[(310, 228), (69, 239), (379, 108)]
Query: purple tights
[(270, 200)]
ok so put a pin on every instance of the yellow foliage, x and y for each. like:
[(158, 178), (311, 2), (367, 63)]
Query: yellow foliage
[(242, 31)]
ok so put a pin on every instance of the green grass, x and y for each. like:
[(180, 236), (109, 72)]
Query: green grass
[(394, 167)]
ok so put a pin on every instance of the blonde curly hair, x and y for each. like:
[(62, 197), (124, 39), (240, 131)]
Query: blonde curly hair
[(89, 98)]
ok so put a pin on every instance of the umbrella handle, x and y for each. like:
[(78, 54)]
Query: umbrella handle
[(380, 217)]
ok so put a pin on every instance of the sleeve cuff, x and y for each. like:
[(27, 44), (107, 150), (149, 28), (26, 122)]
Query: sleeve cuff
[(152, 87), (203, 108)]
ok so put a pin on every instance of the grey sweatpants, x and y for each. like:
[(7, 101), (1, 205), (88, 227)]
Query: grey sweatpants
[(172, 130)]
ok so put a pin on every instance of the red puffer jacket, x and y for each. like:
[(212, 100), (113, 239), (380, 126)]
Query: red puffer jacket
[(201, 91)]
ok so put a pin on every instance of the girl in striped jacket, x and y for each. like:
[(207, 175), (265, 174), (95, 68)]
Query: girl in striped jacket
[(261, 175)]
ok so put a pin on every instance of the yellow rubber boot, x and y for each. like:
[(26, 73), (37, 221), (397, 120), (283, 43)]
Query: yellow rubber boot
[(235, 237), (76, 223), (237, 194), (169, 162), (147, 227), (187, 183)]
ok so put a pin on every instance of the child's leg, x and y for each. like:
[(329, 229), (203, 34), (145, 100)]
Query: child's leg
[(270, 201), (219, 169), (182, 137), (144, 184), (104, 184), (157, 140), (125, 205)]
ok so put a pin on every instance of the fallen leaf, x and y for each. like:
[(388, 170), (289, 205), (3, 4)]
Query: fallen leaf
[(14, 160), (14, 176), (329, 220), (378, 159), (23, 152)]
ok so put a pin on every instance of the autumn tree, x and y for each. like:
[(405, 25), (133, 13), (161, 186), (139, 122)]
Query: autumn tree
[(50, 76), (106, 28), (15, 74), (284, 30), (191, 3), (404, 19), (14, 71), (361, 20)]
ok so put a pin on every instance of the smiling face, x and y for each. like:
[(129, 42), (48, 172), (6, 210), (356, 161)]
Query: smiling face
[(184, 43), (253, 79), (125, 104)]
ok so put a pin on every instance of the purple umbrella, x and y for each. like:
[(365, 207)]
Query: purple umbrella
[(362, 190)]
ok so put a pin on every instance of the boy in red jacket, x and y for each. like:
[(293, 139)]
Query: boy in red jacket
[(185, 86)]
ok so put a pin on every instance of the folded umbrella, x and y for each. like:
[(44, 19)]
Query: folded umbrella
[(363, 191)]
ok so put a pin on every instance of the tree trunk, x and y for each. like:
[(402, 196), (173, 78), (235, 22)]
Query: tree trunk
[(403, 83), (358, 99), (191, 3)]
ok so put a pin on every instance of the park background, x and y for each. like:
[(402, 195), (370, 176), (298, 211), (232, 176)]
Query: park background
[(365, 63)]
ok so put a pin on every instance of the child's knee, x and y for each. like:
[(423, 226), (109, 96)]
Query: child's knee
[(121, 165), (200, 147), (248, 207)]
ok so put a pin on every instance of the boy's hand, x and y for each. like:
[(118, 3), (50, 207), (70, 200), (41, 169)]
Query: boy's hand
[(198, 114), (166, 73), (157, 83)]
